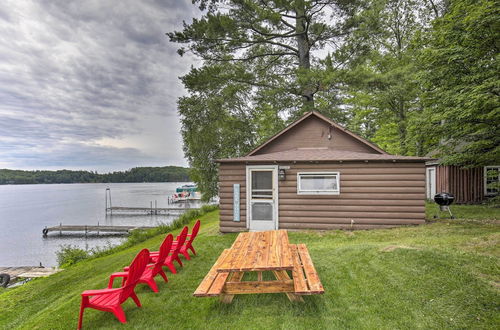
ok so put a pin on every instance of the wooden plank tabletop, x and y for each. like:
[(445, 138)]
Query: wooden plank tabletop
[(258, 251)]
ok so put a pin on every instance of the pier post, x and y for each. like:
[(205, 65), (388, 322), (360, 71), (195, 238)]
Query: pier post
[(60, 229), (97, 228), (156, 206), (85, 230), (110, 206)]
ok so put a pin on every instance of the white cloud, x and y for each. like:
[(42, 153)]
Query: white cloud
[(90, 84)]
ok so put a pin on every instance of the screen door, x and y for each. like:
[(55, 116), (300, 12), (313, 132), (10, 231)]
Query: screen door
[(262, 196)]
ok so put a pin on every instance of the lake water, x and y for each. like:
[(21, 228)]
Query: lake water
[(26, 209)]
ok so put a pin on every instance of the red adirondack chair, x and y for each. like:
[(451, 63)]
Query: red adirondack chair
[(152, 270), (110, 300), (188, 245), (174, 253)]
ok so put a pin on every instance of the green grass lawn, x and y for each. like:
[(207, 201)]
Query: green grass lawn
[(444, 274)]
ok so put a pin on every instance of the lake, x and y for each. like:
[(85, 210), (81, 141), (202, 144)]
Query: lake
[(26, 209)]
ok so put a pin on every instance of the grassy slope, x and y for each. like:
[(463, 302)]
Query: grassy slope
[(441, 275)]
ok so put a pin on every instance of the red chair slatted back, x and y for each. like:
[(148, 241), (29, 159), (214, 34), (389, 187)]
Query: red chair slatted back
[(181, 239), (163, 253), (196, 228), (134, 273)]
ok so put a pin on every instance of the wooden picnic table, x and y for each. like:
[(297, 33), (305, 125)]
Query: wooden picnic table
[(260, 252)]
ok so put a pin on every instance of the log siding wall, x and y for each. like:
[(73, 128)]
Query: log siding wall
[(466, 184), (371, 195)]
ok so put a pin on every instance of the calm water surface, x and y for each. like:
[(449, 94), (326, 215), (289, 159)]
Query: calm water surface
[(26, 209)]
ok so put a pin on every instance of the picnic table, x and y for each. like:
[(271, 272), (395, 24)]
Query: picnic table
[(259, 252)]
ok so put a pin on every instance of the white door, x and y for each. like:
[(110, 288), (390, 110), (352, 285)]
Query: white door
[(431, 182), (262, 197)]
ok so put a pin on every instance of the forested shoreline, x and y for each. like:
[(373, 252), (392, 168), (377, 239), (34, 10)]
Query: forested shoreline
[(137, 174)]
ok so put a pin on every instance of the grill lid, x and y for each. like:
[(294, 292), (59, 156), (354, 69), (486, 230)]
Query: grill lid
[(444, 198)]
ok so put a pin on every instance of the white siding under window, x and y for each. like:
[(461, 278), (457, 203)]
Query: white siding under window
[(318, 183)]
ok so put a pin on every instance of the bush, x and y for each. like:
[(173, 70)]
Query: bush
[(69, 255), (494, 202)]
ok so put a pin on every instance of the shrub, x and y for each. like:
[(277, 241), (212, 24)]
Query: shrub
[(494, 202), (69, 255)]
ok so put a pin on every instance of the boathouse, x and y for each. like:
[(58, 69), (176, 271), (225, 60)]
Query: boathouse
[(315, 174)]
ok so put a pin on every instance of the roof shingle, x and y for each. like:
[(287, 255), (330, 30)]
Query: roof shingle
[(321, 155)]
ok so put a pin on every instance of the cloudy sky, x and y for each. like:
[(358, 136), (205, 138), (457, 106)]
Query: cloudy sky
[(90, 84)]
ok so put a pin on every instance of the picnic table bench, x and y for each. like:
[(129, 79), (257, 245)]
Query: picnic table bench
[(259, 252)]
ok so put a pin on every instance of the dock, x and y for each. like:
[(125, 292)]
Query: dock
[(147, 210), (89, 229), (153, 208)]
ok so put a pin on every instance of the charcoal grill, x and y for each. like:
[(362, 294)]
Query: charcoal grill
[(444, 200)]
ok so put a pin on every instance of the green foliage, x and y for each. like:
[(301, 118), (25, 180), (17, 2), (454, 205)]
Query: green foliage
[(414, 76), (460, 69), (137, 174), (258, 73), (69, 255)]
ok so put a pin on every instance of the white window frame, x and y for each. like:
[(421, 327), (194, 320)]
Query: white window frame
[(318, 192), (486, 168)]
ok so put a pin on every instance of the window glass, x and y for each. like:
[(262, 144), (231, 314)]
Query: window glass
[(262, 211), (318, 183)]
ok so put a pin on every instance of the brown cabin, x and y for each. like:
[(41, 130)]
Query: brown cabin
[(317, 175)]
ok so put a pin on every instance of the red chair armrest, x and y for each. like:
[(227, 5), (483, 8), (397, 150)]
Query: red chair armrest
[(119, 274), (115, 275), (126, 268), (88, 293)]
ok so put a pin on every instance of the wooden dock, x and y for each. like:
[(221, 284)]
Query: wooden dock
[(147, 210), (89, 229)]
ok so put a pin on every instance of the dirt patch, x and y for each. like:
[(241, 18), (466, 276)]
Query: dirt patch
[(491, 280), (391, 248), (485, 245)]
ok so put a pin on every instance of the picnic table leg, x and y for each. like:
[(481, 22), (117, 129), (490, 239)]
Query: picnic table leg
[(282, 275), (234, 277), (259, 276)]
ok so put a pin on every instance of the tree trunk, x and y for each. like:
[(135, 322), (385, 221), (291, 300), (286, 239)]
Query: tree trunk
[(304, 55), (402, 126)]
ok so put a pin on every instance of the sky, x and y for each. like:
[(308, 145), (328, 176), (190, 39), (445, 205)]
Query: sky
[(91, 84)]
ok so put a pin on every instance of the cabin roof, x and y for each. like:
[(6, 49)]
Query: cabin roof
[(323, 118), (321, 155)]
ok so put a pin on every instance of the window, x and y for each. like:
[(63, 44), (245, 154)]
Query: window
[(324, 183), (491, 180)]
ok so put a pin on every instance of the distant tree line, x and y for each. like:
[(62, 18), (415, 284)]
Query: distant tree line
[(138, 174)]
